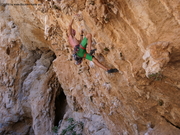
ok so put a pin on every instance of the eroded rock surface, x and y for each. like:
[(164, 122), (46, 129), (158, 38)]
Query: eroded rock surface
[(156, 57)]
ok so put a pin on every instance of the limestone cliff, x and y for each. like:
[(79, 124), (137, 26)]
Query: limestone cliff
[(42, 91)]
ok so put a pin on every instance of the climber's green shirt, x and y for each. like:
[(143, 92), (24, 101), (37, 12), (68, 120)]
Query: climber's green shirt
[(81, 51)]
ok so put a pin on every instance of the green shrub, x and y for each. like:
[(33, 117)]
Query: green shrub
[(106, 49), (156, 76), (55, 129), (72, 125)]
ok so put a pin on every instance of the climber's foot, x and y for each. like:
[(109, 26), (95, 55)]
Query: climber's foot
[(92, 52), (112, 70)]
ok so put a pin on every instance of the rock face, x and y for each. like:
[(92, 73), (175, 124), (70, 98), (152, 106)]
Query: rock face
[(156, 57), (42, 91)]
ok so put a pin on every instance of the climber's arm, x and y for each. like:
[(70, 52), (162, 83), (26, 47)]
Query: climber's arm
[(70, 28), (81, 38)]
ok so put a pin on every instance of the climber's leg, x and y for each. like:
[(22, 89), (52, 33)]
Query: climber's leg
[(89, 37), (96, 62), (91, 58)]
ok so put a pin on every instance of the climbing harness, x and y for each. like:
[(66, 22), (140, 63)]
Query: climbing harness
[(77, 59)]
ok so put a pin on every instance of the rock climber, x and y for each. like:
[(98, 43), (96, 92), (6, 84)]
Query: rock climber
[(80, 47)]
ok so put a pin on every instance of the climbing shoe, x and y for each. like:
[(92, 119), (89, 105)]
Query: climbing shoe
[(92, 52), (112, 70)]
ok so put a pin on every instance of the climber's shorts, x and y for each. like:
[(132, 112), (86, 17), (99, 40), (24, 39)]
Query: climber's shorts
[(82, 52)]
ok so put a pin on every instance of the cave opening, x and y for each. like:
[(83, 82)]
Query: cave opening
[(60, 105)]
